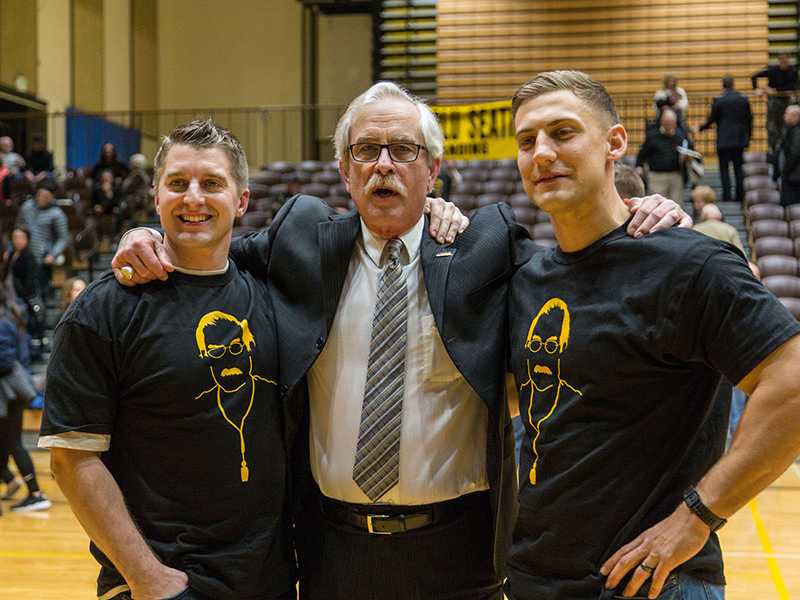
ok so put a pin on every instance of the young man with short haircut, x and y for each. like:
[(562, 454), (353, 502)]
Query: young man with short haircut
[(618, 346), (162, 413)]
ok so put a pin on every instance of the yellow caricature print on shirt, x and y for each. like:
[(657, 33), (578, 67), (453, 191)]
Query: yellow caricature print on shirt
[(228, 342), (547, 340)]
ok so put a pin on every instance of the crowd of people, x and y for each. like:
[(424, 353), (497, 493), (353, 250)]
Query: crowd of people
[(667, 159)]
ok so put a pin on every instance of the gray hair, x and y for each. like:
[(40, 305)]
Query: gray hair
[(205, 133), (431, 131)]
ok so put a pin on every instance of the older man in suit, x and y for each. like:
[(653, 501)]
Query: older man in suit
[(400, 344), (734, 119)]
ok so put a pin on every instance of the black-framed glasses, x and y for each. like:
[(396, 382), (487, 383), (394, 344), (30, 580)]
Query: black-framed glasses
[(399, 152)]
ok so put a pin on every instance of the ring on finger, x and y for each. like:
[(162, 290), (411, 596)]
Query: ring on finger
[(647, 568), (127, 272)]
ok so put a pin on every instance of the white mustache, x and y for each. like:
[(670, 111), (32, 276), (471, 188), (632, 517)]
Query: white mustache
[(390, 182)]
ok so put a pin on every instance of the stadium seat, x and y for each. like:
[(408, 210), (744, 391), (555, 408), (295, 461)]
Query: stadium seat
[(794, 229), (783, 286), (326, 177), (760, 212), (770, 227), (498, 187), (772, 246), (759, 182), (793, 304), (315, 189), (520, 200), (793, 212), (777, 265), (762, 196), (487, 199), (755, 168), (543, 230), (758, 157)]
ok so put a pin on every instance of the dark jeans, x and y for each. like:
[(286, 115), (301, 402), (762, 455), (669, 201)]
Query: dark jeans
[(776, 106), (451, 560), (727, 156), (24, 465)]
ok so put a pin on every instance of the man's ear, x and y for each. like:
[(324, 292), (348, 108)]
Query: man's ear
[(434, 174), (617, 142), (156, 203), (244, 200), (344, 176)]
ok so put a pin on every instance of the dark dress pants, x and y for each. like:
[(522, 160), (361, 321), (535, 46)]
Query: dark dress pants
[(726, 157), (790, 192), (448, 561)]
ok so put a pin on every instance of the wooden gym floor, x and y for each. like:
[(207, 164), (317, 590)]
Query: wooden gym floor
[(44, 555)]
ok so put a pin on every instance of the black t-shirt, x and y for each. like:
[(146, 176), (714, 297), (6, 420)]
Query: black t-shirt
[(618, 351), (181, 375)]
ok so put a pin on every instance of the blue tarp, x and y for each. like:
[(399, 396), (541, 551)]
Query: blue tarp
[(86, 135)]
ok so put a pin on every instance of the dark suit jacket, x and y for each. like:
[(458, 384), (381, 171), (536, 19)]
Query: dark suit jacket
[(305, 255), (731, 112), (790, 149)]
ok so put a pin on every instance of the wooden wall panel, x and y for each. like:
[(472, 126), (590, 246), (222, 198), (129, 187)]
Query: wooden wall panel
[(487, 48)]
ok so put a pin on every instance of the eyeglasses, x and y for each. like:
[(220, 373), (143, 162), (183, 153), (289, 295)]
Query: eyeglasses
[(399, 152), (234, 349), (536, 344)]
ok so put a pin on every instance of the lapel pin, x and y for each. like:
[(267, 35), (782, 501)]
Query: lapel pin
[(445, 253)]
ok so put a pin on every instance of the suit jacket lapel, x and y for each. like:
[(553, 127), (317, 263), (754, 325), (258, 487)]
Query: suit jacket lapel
[(336, 239), (436, 260)]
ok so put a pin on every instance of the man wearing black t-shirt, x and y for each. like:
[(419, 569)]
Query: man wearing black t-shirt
[(618, 347), (781, 85), (162, 414)]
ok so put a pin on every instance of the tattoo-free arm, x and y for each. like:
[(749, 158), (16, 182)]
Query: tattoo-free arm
[(97, 502)]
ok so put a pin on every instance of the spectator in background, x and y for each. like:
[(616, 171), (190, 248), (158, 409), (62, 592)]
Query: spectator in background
[(16, 390), (672, 97), (781, 84), (660, 155), (712, 225), (702, 195), (72, 288), (11, 159), (734, 120), (136, 187), (39, 162), (49, 231), (789, 159), (21, 277), (109, 162), (628, 182), (5, 182)]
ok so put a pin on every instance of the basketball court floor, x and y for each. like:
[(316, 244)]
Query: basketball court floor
[(44, 556)]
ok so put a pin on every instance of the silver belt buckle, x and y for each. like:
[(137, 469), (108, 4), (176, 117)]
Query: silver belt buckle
[(370, 528)]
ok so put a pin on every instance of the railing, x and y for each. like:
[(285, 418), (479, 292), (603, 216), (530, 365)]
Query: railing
[(294, 133)]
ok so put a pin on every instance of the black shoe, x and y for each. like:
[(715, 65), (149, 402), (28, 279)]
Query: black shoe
[(32, 503)]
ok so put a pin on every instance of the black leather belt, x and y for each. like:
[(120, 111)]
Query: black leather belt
[(386, 519)]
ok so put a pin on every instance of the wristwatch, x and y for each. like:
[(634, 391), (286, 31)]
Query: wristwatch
[(692, 500)]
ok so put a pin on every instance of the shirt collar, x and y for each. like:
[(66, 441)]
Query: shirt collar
[(411, 241)]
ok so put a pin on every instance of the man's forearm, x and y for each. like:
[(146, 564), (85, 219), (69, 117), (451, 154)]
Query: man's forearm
[(767, 440), (97, 502)]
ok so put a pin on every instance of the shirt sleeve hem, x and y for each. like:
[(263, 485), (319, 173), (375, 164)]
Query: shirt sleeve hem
[(72, 440)]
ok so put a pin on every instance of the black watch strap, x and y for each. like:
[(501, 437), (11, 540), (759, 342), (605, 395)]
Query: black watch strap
[(695, 504)]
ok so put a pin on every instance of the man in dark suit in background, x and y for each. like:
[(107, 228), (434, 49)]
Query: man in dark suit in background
[(734, 119), (430, 516), (789, 159)]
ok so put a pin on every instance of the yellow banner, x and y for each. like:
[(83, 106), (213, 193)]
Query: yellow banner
[(477, 131)]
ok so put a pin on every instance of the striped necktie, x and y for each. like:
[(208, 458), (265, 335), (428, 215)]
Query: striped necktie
[(377, 465)]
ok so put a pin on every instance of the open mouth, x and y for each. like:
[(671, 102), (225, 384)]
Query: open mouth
[(542, 369), (194, 218), (384, 192)]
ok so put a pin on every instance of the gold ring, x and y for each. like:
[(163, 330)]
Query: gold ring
[(647, 568), (127, 272)]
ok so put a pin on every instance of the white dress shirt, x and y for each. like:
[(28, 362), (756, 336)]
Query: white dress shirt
[(444, 422)]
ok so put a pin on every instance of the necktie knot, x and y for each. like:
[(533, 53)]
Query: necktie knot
[(392, 254)]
